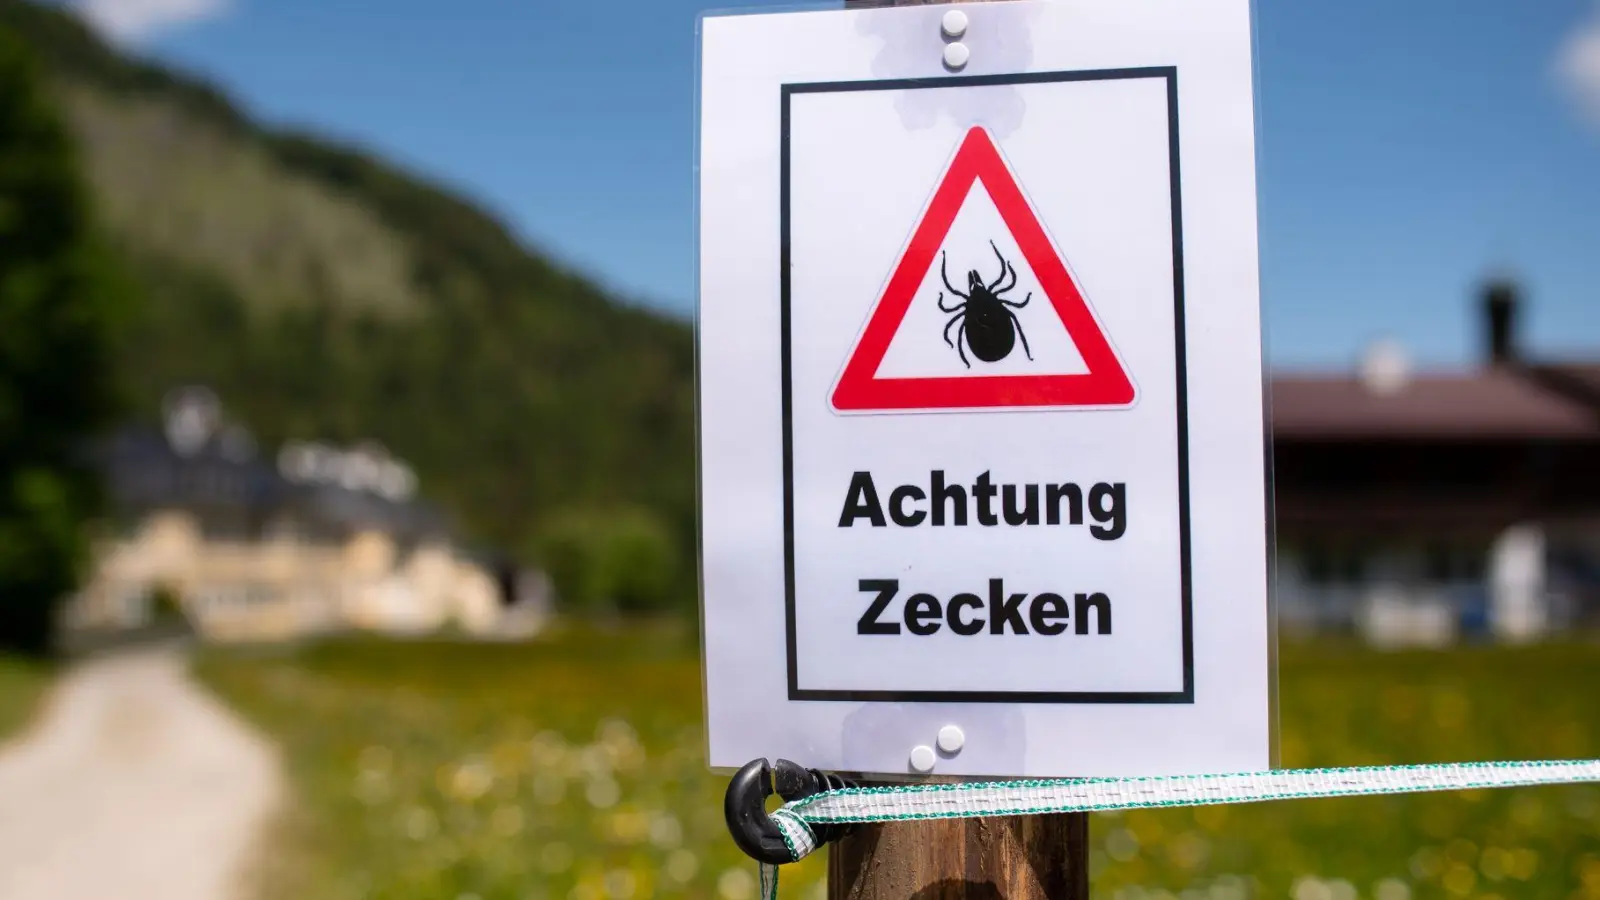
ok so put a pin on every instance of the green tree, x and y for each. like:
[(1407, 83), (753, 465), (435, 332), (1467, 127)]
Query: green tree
[(57, 305)]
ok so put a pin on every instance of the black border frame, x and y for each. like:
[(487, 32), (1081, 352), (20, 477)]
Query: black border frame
[(1185, 696)]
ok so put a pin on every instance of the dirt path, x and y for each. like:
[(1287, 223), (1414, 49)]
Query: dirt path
[(135, 785)]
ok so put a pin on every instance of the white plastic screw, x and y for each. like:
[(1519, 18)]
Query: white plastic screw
[(922, 758), (954, 24), (952, 739), (956, 55)]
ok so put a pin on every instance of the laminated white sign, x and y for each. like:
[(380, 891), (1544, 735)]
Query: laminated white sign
[(981, 419)]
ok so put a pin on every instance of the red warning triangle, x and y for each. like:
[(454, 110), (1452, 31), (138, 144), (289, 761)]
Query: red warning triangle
[(1105, 384)]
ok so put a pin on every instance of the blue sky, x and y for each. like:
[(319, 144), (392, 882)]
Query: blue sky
[(1407, 148)]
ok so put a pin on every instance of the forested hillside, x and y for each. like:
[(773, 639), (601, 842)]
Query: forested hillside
[(325, 294)]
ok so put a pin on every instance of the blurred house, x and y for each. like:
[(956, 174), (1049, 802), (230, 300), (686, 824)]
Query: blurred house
[(321, 539), (1425, 507)]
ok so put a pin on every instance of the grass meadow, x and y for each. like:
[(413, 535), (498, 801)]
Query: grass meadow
[(571, 769), (22, 686)]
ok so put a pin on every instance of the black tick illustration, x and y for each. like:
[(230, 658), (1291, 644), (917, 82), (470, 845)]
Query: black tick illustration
[(988, 326)]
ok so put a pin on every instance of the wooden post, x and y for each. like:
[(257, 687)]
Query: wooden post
[(1003, 858)]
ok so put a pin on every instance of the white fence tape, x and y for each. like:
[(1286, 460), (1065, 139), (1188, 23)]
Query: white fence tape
[(1022, 798)]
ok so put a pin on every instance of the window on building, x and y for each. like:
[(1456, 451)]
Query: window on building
[(1454, 562), (133, 605), (281, 528), (1333, 564)]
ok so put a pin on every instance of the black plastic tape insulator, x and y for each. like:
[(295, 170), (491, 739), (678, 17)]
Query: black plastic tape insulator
[(744, 806)]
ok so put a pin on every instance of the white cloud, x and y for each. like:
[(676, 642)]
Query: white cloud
[(1578, 67), (128, 21)]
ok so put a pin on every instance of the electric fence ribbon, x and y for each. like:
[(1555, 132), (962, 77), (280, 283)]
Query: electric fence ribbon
[(1033, 797)]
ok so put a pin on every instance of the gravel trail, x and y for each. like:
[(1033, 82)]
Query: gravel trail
[(134, 784)]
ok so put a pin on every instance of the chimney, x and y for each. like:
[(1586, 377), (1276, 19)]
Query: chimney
[(1500, 314)]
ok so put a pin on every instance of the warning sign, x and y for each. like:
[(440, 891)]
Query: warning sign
[(981, 435), (1035, 518), (983, 316)]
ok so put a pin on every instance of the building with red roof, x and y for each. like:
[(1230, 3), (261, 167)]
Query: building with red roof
[(1424, 505)]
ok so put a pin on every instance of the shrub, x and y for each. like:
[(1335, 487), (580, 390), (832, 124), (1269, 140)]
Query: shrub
[(619, 560)]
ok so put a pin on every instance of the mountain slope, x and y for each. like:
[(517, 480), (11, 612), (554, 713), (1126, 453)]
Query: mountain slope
[(325, 294)]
